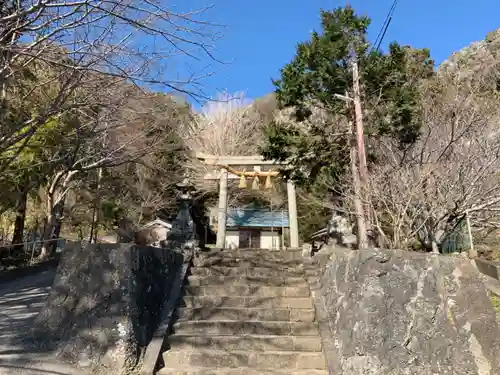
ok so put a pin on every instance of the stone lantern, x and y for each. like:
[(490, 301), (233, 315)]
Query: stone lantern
[(183, 233)]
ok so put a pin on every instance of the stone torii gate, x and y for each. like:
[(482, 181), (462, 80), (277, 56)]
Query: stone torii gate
[(224, 165)]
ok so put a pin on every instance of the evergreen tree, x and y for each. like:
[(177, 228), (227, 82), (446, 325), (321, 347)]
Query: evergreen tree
[(320, 70)]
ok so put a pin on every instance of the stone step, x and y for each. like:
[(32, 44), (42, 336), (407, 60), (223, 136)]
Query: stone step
[(312, 274), (248, 290), (257, 253), (232, 260), (212, 359), (242, 262), (206, 313), (195, 280), (236, 371), (249, 327), (251, 302), (247, 271), (311, 278), (248, 342), (310, 266)]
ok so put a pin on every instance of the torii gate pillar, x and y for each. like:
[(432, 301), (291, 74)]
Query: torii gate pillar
[(292, 214), (222, 214)]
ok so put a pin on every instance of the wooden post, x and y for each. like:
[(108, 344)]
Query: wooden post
[(355, 147), (222, 214), (292, 214)]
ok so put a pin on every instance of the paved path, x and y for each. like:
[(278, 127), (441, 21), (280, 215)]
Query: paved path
[(20, 302)]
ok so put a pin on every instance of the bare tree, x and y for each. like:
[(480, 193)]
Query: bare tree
[(423, 192), (226, 125), (139, 42), (106, 37), (133, 130)]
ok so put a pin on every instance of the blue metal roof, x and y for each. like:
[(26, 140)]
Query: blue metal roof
[(256, 218)]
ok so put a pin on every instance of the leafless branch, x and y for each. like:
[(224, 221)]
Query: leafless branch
[(423, 192)]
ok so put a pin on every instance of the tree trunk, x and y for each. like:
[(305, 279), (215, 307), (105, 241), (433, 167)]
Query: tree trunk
[(94, 228), (50, 221), (52, 230), (18, 237), (47, 235), (56, 195), (58, 212)]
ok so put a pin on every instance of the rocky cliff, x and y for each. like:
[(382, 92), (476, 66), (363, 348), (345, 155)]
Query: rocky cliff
[(478, 61), (399, 312)]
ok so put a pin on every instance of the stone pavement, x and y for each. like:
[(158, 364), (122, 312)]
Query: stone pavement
[(20, 302)]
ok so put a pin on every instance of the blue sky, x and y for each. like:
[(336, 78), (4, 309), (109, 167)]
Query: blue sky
[(261, 35)]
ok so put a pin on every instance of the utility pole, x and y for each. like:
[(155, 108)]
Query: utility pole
[(360, 134), (359, 210), (358, 204), (357, 151)]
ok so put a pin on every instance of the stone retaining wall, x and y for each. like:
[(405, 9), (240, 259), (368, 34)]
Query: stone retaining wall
[(106, 302), (398, 312)]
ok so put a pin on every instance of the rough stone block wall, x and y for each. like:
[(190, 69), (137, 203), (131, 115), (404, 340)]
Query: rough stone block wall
[(399, 312), (105, 304)]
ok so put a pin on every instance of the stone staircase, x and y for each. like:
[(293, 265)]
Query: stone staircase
[(246, 312)]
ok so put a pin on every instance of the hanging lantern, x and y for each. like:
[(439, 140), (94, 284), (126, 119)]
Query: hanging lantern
[(243, 182), (255, 183), (268, 184)]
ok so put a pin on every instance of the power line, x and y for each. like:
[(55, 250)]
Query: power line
[(385, 26), (383, 35)]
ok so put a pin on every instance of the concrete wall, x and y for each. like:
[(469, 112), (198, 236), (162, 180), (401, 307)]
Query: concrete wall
[(491, 269)]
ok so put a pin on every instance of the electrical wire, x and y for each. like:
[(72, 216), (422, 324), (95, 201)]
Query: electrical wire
[(383, 35), (385, 26)]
